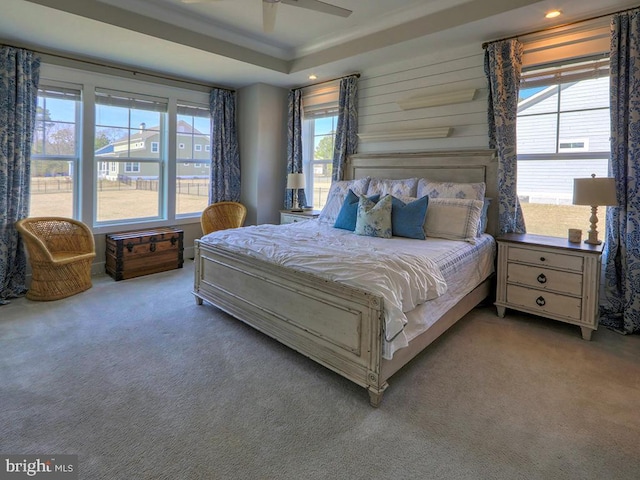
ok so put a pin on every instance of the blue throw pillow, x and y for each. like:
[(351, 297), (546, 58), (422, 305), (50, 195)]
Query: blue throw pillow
[(407, 219), (349, 211)]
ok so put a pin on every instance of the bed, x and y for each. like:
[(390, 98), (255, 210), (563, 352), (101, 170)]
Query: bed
[(342, 325)]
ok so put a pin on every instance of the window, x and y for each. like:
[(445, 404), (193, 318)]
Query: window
[(563, 133), (112, 136), (192, 181), (125, 123), (207, 148), (132, 167), (319, 134), (55, 152)]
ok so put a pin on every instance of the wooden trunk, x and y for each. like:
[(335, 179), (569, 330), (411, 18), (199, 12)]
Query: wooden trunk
[(142, 252)]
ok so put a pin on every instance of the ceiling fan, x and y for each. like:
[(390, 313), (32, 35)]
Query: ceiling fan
[(270, 7)]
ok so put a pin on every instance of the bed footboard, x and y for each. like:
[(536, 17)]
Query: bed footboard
[(335, 325)]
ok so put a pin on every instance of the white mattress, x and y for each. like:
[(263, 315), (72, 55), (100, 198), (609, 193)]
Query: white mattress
[(407, 273)]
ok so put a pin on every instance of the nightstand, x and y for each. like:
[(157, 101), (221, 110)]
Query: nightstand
[(550, 277), (287, 216)]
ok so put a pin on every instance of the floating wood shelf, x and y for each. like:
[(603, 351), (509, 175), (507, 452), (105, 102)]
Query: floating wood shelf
[(435, 100), (437, 132)]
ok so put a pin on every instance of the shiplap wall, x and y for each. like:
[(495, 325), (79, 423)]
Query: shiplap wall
[(380, 88)]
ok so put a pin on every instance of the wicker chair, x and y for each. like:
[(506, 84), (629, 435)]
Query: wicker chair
[(61, 251), (222, 215)]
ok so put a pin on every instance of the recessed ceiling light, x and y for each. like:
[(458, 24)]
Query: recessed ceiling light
[(553, 14), (313, 77)]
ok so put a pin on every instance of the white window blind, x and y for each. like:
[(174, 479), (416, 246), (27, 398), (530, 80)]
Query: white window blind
[(321, 100), (134, 101), (556, 74)]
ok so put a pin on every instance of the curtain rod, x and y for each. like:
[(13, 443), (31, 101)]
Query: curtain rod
[(357, 75), (486, 44), (121, 68)]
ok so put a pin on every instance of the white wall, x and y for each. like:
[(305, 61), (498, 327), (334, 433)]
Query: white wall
[(431, 74), (262, 134)]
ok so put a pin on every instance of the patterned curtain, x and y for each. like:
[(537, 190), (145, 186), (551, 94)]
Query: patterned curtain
[(347, 128), (620, 305), (503, 66), (294, 145), (19, 75), (225, 154)]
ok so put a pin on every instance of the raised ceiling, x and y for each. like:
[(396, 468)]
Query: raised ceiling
[(222, 42)]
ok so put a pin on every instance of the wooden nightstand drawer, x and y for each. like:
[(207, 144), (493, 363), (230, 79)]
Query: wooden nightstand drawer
[(545, 279), (561, 261), (545, 303)]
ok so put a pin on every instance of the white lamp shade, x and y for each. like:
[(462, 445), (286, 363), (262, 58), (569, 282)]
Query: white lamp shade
[(594, 191), (295, 181)]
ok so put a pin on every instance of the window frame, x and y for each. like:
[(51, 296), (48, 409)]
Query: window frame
[(568, 74), (74, 159), (84, 196)]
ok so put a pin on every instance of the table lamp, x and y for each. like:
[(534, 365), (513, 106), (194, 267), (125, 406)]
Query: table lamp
[(295, 181), (594, 192)]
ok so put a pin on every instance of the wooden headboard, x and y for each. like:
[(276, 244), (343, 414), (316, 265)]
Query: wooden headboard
[(463, 166)]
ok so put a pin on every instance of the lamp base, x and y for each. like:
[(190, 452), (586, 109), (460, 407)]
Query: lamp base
[(592, 239)]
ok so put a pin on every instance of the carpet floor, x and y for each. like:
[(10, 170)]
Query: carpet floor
[(142, 383)]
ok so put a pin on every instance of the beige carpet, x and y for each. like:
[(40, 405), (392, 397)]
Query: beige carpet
[(141, 383)]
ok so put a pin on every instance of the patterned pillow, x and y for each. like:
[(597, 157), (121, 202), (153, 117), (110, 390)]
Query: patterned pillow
[(337, 194), (453, 218), (398, 188), (374, 219), (473, 191), (349, 211)]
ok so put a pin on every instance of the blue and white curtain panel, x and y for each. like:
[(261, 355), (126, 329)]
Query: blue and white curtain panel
[(620, 302), (346, 142), (294, 145), (19, 76), (503, 67), (225, 153)]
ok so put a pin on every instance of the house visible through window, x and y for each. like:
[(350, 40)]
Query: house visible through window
[(563, 133), (55, 152), (125, 125), (192, 181)]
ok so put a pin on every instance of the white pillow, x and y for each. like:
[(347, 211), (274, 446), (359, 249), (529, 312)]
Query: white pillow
[(398, 188), (453, 218), (337, 194), (473, 191)]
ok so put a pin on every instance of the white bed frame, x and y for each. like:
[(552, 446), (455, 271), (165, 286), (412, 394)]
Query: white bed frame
[(339, 326)]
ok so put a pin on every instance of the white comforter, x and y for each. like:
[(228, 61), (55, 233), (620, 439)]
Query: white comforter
[(401, 271)]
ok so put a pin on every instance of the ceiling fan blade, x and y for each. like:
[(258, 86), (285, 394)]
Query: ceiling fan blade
[(319, 6), (269, 10)]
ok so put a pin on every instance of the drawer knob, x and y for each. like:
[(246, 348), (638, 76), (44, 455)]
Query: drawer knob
[(542, 259), (542, 278), (541, 301)]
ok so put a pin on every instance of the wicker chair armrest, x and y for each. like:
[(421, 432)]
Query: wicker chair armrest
[(72, 258)]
